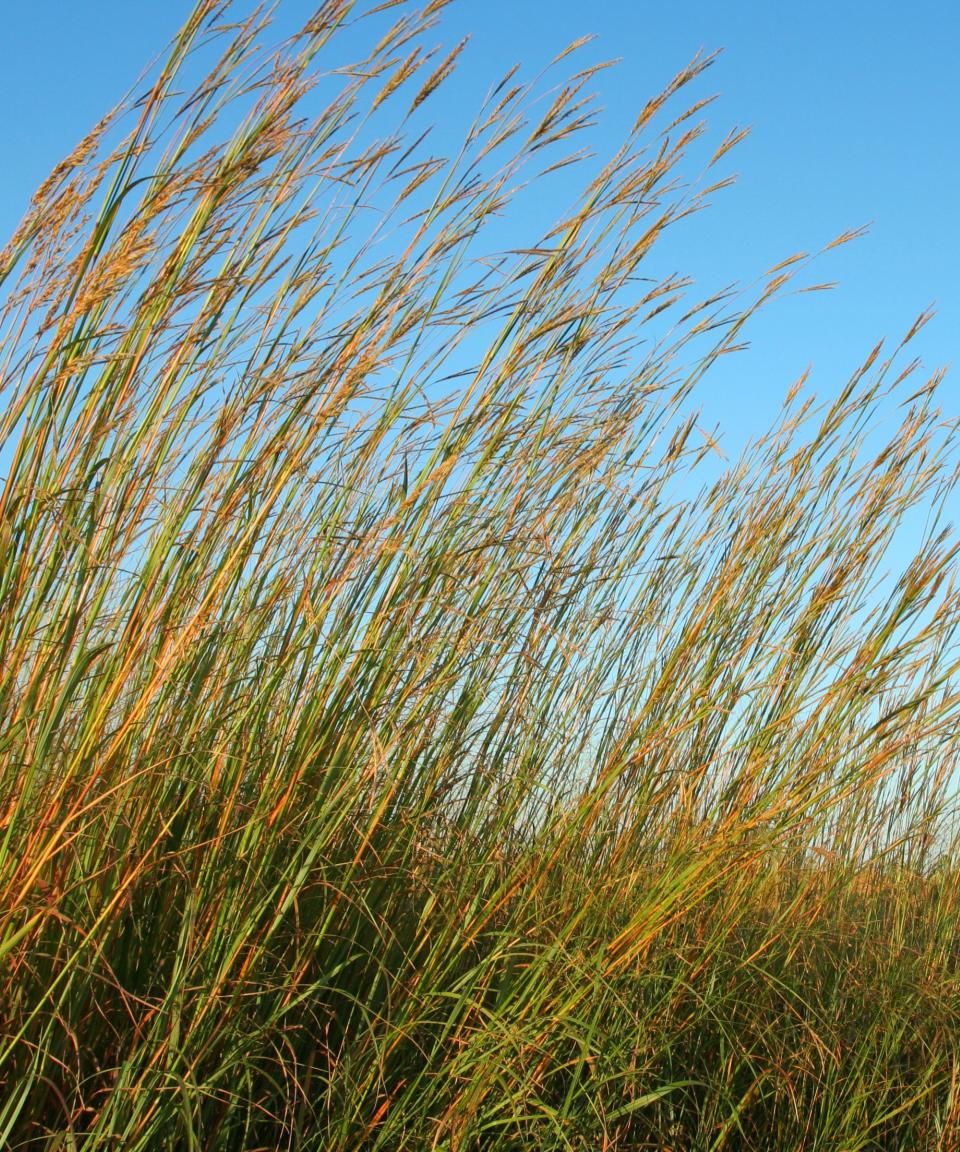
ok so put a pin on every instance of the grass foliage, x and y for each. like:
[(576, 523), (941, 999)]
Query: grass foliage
[(411, 736)]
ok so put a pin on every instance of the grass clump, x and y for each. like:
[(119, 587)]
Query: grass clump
[(409, 738)]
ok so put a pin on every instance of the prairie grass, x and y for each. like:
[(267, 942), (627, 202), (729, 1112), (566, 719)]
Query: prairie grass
[(411, 737)]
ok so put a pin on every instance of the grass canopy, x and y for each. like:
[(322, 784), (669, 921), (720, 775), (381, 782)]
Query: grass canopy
[(410, 736)]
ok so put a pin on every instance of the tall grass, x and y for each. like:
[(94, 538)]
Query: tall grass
[(411, 738)]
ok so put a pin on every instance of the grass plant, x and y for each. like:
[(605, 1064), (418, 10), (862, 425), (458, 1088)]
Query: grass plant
[(411, 736)]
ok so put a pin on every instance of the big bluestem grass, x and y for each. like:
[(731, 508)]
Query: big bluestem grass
[(406, 743)]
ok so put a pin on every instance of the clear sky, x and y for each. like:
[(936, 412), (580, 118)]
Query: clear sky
[(855, 115)]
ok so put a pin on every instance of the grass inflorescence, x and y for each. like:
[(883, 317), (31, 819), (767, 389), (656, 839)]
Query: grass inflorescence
[(410, 736)]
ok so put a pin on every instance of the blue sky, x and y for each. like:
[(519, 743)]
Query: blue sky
[(855, 115)]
